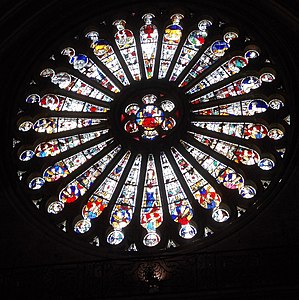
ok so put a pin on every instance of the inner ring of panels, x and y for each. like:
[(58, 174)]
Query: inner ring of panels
[(155, 136)]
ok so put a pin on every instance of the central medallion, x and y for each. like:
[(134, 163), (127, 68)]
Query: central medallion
[(151, 119)]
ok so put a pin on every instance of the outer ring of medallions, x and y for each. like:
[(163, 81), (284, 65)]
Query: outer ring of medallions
[(134, 93)]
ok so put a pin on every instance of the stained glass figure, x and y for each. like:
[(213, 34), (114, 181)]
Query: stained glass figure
[(53, 124), (100, 199), (66, 166), (63, 103), (105, 53), (227, 69), (193, 43), (83, 182), (230, 178), (202, 191), (240, 130), (149, 40), (124, 208), (87, 67), (237, 153), (179, 207), (151, 213), (171, 39), (239, 87), (126, 43), (68, 82), (56, 146), (209, 57), (242, 108)]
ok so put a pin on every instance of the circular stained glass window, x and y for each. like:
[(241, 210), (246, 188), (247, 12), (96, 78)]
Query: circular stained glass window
[(149, 120), (144, 139)]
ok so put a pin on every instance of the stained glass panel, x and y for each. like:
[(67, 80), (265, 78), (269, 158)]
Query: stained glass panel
[(171, 39), (105, 53), (126, 201), (126, 43), (149, 42), (151, 213), (193, 43), (179, 206), (209, 57)]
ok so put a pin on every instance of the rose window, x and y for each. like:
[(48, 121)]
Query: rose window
[(153, 137)]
